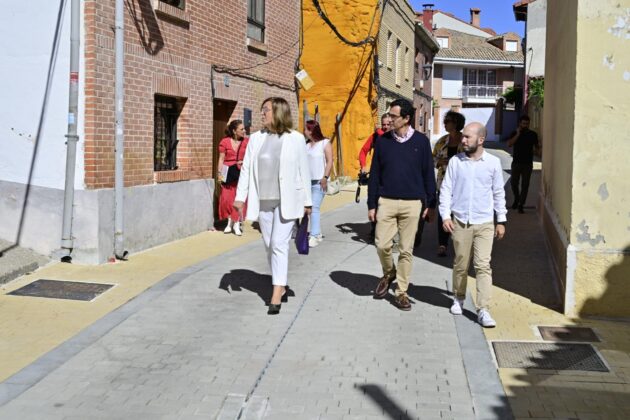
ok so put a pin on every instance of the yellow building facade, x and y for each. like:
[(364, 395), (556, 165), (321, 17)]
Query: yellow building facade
[(586, 174), (342, 74)]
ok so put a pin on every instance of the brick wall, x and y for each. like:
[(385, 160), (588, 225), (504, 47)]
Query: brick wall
[(171, 52)]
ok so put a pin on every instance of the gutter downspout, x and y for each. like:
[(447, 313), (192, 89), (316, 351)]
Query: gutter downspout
[(67, 241), (119, 149)]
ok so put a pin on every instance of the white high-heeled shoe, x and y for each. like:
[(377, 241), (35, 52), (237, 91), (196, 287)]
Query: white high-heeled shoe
[(228, 228), (237, 229)]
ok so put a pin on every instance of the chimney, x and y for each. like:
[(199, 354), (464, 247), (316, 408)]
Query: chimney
[(474, 17), (427, 16)]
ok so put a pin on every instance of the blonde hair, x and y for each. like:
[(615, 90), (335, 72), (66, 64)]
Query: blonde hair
[(282, 121)]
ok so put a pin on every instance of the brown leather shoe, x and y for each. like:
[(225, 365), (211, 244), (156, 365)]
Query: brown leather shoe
[(402, 302), (383, 285)]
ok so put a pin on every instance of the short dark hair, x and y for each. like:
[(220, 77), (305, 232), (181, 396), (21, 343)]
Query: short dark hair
[(523, 118), (457, 118), (406, 109), (385, 115)]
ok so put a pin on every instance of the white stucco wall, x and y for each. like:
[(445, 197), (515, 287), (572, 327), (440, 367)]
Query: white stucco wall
[(26, 37), (452, 77), (536, 33), (441, 20)]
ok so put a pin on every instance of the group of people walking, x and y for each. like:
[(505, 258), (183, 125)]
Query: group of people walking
[(284, 176)]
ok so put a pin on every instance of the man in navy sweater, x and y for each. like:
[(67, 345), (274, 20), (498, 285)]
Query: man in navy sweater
[(401, 180)]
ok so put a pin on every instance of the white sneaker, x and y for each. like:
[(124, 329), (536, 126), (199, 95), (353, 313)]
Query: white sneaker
[(313, 241), (237, 229), (457, 307), (228, 228), (484, 318)]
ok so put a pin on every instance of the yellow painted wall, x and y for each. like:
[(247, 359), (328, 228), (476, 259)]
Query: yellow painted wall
[(586, 153), (334, 66)]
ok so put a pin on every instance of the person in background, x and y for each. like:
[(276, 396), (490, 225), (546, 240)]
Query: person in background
[(386, 124), (231, 152), (526, 145), (276, 181), (320, 160), (446, 147), (401, 179), (368, 146), (471, 196)]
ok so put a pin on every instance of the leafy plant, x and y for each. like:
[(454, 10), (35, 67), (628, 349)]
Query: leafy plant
[(537, 89), (513, 95)]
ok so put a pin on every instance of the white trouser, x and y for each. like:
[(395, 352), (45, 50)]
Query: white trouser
[(276, 234)]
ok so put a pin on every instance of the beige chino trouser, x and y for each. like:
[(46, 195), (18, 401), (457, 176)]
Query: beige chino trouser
[(475, 239), (400, 216)]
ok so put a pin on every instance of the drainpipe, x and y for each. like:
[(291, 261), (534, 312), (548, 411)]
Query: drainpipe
[(67, 242), (119, 149)]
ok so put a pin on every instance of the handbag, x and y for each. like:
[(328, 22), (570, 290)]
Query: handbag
[(333, 187), (233, 172), (301, 237)]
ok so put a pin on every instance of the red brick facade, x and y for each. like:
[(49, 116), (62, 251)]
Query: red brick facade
[(172, 52)]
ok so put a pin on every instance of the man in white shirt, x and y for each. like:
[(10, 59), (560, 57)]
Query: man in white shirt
[(471, 195)]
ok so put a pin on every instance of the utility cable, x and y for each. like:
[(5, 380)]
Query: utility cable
[(367, 40)]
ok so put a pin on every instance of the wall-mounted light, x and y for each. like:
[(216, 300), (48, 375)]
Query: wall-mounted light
[(426, 71)]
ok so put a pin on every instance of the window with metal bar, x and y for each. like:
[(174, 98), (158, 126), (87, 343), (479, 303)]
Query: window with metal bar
[(177, 3), (166, 113), (256, 20)]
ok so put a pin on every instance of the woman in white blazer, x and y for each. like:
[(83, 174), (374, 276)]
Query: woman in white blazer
[(275, 179)]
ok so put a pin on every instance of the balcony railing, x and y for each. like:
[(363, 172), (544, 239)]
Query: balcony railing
[(484, 92)]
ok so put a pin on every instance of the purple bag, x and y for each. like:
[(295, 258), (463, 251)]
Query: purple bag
[(301, 238)]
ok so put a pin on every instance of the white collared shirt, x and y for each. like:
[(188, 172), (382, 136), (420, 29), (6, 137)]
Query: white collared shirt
[(406, 137), (472, 190)]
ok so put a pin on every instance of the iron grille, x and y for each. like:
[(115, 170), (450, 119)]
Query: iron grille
[(167, 110), (177, 3)]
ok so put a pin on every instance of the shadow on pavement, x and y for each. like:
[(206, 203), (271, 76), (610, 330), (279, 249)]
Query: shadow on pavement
[(436, 297), (360, 231), (359, 284), (380, 397), (239, 280)]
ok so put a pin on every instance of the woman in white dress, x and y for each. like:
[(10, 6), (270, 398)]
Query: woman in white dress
[(275, 181)]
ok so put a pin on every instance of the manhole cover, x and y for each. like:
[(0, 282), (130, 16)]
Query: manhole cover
[(568, 334), (556, 356), (58, 289)]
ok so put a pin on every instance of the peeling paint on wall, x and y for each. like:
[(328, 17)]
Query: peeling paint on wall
[(603, 191), (621, 29), (584, 236), (608, 62)]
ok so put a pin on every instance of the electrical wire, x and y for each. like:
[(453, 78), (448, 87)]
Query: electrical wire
[(367, 40)]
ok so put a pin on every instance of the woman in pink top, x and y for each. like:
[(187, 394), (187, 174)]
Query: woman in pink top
[(231, 152)]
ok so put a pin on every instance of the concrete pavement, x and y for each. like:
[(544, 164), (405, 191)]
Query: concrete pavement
[(198, 344)]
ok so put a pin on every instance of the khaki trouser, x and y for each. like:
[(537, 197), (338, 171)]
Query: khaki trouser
[(478, 239), (400, 216)]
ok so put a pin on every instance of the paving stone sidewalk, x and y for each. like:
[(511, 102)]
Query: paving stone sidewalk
[(200, 345)]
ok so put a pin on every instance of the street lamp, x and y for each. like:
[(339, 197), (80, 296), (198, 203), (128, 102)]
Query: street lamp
[(426, 71)]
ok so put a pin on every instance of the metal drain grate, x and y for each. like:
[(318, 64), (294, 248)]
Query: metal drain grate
[(555, 356), (60, 289), (568, 334)]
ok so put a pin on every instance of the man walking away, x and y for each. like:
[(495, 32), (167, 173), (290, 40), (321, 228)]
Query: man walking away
[(470, 196), (401, 179), (525, 142)]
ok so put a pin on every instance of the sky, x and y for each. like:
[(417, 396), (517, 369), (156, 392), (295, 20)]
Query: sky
[(495, 14)]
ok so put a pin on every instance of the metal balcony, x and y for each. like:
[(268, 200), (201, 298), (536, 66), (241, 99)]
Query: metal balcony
[(481, 93)]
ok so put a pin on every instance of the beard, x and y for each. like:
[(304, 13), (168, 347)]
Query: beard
[(471, 148)]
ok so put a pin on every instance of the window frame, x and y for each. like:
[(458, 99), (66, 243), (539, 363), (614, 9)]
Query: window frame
[(441, 39), (167, 159), (181, 3), (253, 20)]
